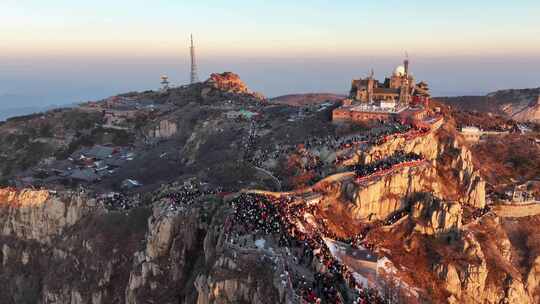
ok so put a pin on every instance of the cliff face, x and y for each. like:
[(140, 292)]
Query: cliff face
[(524, 112), (185, 259), (68, 250), (379, 198), (434, 217), (38, 215), (229, 82), (477, 278), (165, 129), (479, 261), (472, 261), (450, 173)]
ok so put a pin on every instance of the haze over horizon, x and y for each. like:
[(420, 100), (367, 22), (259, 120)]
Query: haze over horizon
[(69, 52)]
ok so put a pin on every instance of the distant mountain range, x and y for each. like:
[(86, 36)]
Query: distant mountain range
[(518, 104), (306, 99), (16, 105)]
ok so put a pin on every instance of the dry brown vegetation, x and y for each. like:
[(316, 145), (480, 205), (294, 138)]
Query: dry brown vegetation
[(490, 235), (339, 218), (523, 234), (415, 255), (483, 121), (506, 158)]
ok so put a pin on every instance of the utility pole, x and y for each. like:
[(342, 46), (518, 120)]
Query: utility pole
[(194, 78)]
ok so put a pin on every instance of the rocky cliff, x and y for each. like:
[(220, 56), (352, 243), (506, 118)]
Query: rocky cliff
[(164, 129), (379, 198), (527, 112), (486, 271), (63, 248), (456, 176), (38, 215), (462, 262), (473, 260), (228, 82), (427, 219)]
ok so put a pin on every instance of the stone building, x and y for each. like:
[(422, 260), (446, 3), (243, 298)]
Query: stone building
[(397, 88), (397, 98)]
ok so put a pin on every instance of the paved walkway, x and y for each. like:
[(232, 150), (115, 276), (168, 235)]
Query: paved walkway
[(521, 210)]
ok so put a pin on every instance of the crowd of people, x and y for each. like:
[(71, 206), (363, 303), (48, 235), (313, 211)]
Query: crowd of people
[(287, 220), (182, 196), (118, 201), (176, 196), (257, 215), (249, 143), (385, 164), (374, 136)]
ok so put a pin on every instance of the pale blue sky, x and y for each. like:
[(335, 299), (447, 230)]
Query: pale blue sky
[(64, 50)]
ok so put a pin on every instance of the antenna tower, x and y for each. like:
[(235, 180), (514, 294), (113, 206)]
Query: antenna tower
[(194, 78), (406, 63)]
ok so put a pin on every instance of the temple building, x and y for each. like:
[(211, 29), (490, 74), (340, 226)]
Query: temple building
[(398, 97), (396, 89)]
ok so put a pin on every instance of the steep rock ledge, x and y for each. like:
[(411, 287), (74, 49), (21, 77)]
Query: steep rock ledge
[(383, 196), (446, 151), (39, 215)]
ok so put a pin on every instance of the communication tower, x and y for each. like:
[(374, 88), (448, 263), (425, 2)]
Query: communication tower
[(194, 78)]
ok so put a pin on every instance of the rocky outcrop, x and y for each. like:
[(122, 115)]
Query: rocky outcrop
[(523, 109), (469, 180), (228, 82), (433, 217), (185, 251), (173, 246), (426, 145), (380, 197), (468, 280), (533, 280), (165, 129), (445, 151), (474, 274), (38, 215), (450, 277), (63, 248), (232, 282)]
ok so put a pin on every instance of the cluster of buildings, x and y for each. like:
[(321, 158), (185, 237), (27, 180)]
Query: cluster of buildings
[(521, 194), (118, 111), (398, 97), (87, 165), (474, 134)]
